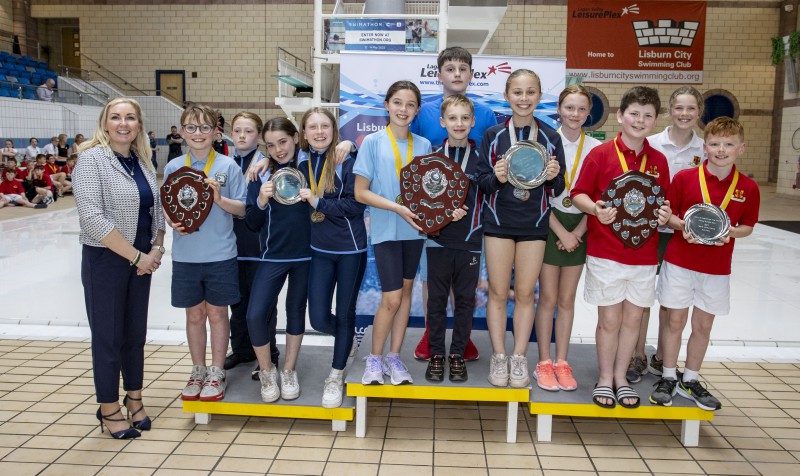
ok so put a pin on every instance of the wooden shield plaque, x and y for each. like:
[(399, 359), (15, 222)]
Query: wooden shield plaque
[(186, 198), (432, 186), (637, 198)]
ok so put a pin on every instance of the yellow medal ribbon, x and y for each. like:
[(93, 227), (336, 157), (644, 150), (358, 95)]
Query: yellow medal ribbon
[(312, 181), (622, 159), (398, 159), (209, 162), (569, 178), (728, 194)]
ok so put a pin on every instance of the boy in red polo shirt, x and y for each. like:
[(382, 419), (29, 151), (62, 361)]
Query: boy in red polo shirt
[(620, 280), (13, 191), (697, 275)]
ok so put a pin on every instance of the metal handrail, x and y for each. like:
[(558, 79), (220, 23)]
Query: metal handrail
[(118, 77), (281, 52), (65, 70), (19, 87)]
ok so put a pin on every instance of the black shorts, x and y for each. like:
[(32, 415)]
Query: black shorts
[(517, 238), (396, 261)]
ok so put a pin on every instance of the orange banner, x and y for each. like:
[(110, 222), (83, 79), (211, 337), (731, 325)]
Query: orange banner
[(612, 41)]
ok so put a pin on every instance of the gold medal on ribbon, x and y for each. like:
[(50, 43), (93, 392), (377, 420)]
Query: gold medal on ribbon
[(567, 202), (317, 217), (569, 179), (399, 163), (209, 162), (624, 164)]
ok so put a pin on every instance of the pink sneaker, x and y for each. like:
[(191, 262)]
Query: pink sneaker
[(564, 375), (545, 376)]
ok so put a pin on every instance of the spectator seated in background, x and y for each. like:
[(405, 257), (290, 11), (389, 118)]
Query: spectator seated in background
[(78, 141), (8, 152), (45, 91), (13, 191), (52, 147), (33, 149), (58, 177), (39, 184), (69, 167)]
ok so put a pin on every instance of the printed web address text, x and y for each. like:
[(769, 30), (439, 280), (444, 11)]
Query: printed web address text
[(634, 76)]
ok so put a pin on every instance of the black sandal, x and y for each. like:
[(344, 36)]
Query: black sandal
[(627, 392), (604, 392)]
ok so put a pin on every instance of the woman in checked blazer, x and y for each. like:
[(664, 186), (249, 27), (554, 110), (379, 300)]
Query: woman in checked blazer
[(122, 232)]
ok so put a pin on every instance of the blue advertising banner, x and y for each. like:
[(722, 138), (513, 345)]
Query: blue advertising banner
[(375, 35)]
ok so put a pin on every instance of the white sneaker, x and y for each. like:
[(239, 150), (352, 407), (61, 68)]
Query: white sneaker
[(373, 370), (195, 384), (498, 370), (269, 385), (396, 370), (332, 392), (519, 377), (290, 386), (214, 385)]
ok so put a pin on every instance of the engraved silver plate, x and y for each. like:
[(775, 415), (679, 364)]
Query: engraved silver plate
[(187, 197), (434, 183), (288, 182), (707, 223), (527, 164)]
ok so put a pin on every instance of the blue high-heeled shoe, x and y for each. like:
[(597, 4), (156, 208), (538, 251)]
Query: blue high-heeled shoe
[(141, 425), (126, 434)]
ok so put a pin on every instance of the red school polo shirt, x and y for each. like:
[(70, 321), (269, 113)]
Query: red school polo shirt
[(599, 168), (742, 210), (12, 187)]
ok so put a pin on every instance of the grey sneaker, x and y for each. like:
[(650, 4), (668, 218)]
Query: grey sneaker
[(519, 377), (332, 392), (665, 390), (636, 369), (290, 386), (269, 385), (498, 370), (214, 385), (655, 367), (696, 391), (373, 371), (396, 370), (195, 384)]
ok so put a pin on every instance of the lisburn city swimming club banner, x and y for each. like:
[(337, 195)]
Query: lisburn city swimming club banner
[(625, 41), (364, 79)]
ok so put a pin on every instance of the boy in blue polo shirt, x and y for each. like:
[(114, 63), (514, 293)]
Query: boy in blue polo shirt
[(205, 278), (455, 74)]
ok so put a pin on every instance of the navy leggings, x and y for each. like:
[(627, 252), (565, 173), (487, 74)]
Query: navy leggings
[(116, 304), (345, 271), (267, 284)]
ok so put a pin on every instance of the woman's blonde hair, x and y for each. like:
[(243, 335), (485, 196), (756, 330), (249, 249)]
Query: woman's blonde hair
[(327, 182), (141, 145)]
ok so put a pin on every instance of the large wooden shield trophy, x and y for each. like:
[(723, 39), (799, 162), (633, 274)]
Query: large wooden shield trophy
[(637, 198), (432, 186), (186, 198)]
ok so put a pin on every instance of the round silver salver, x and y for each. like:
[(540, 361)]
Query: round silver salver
[(707, 223), (288, 182), (527, 164)]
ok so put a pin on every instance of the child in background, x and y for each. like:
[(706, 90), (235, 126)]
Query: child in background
[(39, 184), (338, 242), (285, 254), (697, 275), (683, 149), (204, 273), (59, 178), (8, 152), (565, 252), (515, 225), (154, 148), (220, 145), (395, 237), (455, 254), (13, 191), (620, 280)]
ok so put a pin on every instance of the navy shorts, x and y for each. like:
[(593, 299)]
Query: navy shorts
[(217, 283), (517, 238), (396, 261)]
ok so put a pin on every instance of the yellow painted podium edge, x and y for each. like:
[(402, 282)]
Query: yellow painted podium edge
[(427, 392), (591, 410), (267, 410)]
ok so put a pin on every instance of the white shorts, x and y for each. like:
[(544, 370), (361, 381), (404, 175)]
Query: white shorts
[(680, 288), (609, 282), (13, 197)]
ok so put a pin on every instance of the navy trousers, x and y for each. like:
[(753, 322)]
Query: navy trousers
[(240, 337), (345, 272), (267, 284)]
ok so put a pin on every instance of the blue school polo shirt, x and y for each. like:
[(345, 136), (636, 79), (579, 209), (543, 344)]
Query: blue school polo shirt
[(427, 122), (215, 240), (376, 163)]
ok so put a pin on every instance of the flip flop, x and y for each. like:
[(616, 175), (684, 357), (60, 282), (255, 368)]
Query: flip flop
[(604, 392), (627, 392)]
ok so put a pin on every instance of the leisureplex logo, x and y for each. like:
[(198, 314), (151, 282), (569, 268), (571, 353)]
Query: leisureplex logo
[(597, 12), (431, 70)]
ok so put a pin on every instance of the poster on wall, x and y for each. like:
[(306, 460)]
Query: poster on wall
[(613, 41), (375, 35), (364, 79)]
